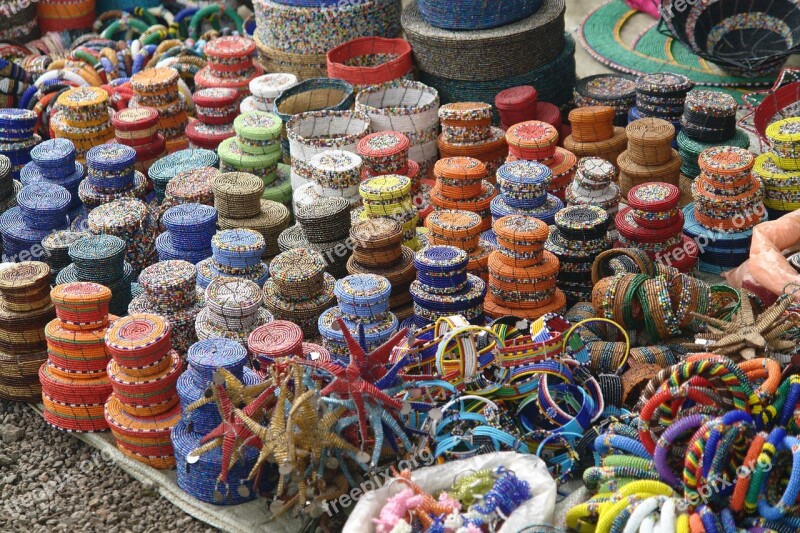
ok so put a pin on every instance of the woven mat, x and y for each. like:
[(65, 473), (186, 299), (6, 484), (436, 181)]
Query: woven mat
[(244, 518), (650, 51)]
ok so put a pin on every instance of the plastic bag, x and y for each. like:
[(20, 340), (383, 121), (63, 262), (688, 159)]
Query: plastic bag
[(648, 6), (537, 510), (767, 267)]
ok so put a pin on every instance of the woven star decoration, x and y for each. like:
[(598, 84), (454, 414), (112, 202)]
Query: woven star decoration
[(238, 393), (746, 336)]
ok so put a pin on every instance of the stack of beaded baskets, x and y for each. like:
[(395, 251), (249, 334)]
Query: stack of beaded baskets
[(593, 186), (727, 205), (25, 309), (143, 371), (75, 385), (41, 209), (536, 141), (101, 259), (467, 131), (56, 246), (334, 173), (255, 149), (9, 187), (594, 133), (216, 109), (277, 344), (378, 249), (232, 310), (265, 89), (54, 162), (779, 169), (163, 171), (522, 274), (579, 235), (234, 253), (650, 156), (617, 91), (190, 187), (323, 226), (461, 184), (237, 198), (83, 119), (653, 223), (170, 291), (390, 196), (523, 191), (299, 289), (157, 88), (363, 306), (230, 66), (111, 175), (443, 287), (132, 221), (661, 95), (461, 229), (138, 128), (18, 137), (189, 229)]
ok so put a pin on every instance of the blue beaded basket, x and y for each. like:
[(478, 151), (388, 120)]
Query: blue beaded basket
[(475, 14), (43, 205), (192, 225), (166, 250), (363, 295), (56, 155), (206, 356), (546, 212)]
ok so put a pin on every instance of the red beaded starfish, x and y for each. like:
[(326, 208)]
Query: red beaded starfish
[(364, 375), (231, 434)]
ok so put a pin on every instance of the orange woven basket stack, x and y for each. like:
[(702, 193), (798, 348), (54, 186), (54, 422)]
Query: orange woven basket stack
[(461, 184), (462, 229), (467, 131), (594, 134)]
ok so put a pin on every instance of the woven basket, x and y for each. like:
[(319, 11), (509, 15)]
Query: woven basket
[(370, 61)]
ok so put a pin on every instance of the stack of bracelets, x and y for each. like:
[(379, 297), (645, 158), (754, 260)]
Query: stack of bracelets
[(138, 128), (443, 287), (83, 118), (778, 169), (461, 229), (650, 156), (711, 463), (158, 88), (111, 175), (270, 219), (133, 222), (378, 249), (299, 289), (75, 385), (593, 185), (522, 274), (216, 109), (20, 226), (324, 226), (143, 371), (256, 148), (230, 66), (234, 253), (265, 89), (363, 309), (275, 343), (25, 310), (56, 246), (336, 173), (166, 168), (594, 133), (580, 234), (9, 187), (191, 187), (233, 309), (653, 223), (617, 91), (390, 196), (523, 191), (461, 184), (170, 291), (661, 95), (17, 137), (101, 259), (517, 104), (54, 163), (408, 107), (208, 361), (188, 229), (727, 203)]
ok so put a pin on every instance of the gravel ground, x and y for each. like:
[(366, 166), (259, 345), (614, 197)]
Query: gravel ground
[(51, 481)]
